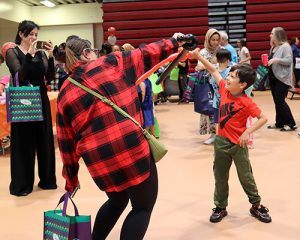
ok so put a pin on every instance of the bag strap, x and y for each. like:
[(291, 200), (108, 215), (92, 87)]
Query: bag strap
[(16, 79), (65, 199), (110, 103)]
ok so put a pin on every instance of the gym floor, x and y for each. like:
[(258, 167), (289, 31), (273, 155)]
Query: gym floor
[(186, 186)]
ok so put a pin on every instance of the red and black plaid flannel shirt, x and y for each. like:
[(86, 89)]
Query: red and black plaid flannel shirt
[(114, 149)]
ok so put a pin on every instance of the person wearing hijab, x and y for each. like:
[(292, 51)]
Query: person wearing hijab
[(211, 45)]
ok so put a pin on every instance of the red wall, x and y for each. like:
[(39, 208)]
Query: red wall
[(262, 16), (148, 21)]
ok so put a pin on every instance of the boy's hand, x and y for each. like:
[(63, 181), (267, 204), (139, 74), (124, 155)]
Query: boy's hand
[(195, 54), (244, 139)]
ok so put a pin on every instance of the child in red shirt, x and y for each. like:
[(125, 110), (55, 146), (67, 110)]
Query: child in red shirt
[(233, 136)]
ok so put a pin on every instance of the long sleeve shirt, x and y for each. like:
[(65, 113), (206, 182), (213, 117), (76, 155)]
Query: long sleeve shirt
[(113, 148)]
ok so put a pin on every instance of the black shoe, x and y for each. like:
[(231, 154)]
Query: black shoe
[(261, 213), (287, 128), (47, 186), (20, 194), (274, 126), (218, 214)]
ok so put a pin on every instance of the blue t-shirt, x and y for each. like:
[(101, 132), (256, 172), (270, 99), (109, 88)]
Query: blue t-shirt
[(216, 99), (234, 57)]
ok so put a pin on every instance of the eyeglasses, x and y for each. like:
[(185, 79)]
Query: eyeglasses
[(95, 50)]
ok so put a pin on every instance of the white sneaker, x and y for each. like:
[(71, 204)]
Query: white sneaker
[(210, 140), (298, 134)]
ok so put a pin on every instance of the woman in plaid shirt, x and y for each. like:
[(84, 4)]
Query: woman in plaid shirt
[(113, 148)]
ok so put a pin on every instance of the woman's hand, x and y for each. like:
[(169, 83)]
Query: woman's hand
[(199, 67), (273, 60), (49, 48), (32, 48), (176, 35)]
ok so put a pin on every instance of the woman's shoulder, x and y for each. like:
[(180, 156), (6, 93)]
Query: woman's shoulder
[(285, 45), (14, 51), (204, 51)]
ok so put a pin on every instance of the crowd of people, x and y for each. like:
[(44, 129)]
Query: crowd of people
[(88, 128)]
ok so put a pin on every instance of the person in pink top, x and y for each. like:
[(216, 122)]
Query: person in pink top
[(3, 81)]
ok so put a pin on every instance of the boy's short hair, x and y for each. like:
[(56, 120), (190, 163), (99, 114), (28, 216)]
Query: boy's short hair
[(245, 73), (223, 55)]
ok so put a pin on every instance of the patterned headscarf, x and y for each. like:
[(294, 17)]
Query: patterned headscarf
[(208, 36)]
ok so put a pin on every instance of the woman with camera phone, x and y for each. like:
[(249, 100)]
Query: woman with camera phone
[(32, 67)]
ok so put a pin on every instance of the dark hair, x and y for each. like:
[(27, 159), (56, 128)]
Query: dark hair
[(243, 42), (59, 52), (293, 40), (1, 58), (245, 73), (223, 55), (25, 27), (105, 49)]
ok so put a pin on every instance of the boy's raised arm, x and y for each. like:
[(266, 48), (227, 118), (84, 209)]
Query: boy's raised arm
[(209, 67)]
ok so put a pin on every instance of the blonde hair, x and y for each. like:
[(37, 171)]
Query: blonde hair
[(74, 49), (280, 35), (127, 47)]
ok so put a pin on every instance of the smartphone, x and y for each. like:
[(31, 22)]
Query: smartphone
[(41, 44)]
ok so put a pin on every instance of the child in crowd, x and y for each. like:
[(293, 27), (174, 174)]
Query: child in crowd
[(147, 105), (60, 74), (233, 136), (249, 124), (223, 59)]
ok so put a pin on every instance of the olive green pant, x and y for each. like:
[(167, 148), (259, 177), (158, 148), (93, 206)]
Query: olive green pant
[(225, 152)]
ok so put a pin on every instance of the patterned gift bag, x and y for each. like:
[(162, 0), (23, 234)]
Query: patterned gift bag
[(60, 226), (24, 104)]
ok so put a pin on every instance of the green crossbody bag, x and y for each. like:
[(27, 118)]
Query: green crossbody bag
[(158, 150)]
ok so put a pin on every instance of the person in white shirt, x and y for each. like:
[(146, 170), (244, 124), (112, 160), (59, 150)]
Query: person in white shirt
[(243, 52)]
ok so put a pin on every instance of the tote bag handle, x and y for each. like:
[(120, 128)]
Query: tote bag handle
[(65, 199)]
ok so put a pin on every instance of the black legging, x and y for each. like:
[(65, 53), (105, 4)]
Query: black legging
[(182, 84), (283, 112), (142, 198)]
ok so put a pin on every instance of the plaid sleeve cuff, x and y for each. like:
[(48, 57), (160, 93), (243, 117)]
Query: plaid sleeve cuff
[(71, 185), (174, 42)]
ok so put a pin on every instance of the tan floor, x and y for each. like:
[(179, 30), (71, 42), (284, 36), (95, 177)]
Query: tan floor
[(185, 186)]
